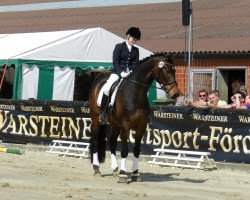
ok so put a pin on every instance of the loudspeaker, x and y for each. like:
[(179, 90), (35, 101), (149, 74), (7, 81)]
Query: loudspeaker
[(186, 11)]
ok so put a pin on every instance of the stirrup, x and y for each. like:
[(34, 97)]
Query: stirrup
[(103, 118)]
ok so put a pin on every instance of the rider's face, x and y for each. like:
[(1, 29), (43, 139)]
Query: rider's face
[(131, 40)]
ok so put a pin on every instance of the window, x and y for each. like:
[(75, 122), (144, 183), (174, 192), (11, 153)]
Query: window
[(201, 79)]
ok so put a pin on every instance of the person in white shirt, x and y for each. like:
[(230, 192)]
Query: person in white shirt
[(214, 101)]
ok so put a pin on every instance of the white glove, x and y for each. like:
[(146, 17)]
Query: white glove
[(124, 74)]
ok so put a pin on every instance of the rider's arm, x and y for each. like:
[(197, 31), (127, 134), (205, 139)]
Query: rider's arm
[(116, 59)]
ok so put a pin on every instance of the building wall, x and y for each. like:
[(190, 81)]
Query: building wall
[(182, 69)]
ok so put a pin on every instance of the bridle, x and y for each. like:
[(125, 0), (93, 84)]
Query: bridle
[(163, 85), (163, 70)]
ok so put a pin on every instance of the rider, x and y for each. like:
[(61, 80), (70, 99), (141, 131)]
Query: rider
[(125, 60)]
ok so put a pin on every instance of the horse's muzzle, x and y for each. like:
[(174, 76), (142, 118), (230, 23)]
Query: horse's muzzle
[(176, 95)]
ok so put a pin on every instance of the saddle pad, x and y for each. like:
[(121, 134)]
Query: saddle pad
[(113, 92)]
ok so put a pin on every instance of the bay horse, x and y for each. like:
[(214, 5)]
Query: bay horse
[(131, 110)]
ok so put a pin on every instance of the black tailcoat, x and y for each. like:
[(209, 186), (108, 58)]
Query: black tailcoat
[(123, 59)]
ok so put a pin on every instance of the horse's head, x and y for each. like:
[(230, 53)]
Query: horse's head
[(164, 73)]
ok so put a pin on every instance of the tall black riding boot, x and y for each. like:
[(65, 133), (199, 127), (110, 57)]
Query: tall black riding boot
[(104, 106)]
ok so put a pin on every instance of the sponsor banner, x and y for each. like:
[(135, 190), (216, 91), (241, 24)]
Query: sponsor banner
[(43, 121), (223, 132)]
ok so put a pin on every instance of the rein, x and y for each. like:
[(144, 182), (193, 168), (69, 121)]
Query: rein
[(150, 86), (142, 84)]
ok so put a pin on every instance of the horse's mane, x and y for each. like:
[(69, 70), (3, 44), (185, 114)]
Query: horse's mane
[(158, 54), (168, 57)]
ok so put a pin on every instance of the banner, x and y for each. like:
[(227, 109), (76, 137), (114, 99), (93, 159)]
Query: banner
[(223, 132), (42, 121)]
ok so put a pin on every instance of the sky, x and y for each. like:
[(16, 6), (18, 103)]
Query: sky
[(77, 4)]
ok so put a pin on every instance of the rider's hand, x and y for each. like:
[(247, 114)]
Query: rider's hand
[(124, 74)]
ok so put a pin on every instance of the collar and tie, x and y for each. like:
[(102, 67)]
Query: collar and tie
[(129, 46)]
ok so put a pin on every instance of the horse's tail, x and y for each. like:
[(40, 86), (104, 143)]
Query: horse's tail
[(100, 144)]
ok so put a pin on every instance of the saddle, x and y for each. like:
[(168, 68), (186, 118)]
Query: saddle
[(113, 90), (112, 93)]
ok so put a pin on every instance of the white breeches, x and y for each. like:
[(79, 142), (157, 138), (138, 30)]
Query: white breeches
[(106, 87)]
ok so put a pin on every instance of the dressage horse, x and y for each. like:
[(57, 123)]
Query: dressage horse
[(131, 110)]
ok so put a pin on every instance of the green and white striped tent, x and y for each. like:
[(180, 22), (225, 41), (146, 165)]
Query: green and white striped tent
[(46, 62)]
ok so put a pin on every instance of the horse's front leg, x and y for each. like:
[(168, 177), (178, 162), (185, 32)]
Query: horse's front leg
[(135, 177), (113, 145), (123, 177)]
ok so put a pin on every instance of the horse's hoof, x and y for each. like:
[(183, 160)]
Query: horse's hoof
[(136, 177), (115, 172), (123, 178), (97, 171), (97, 174)]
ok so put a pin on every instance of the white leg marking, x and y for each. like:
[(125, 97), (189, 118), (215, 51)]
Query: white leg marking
[(114, 164), (95, 159), (123, 164), (135, 164)]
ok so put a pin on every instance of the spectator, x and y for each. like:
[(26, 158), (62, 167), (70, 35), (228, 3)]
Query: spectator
[(217, 92), (201, 102), (244, 90), (246, 106), (214, 100), (239, 101), (235, 85), (247, 100)]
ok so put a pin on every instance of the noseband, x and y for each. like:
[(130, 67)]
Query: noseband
[(164, 71)]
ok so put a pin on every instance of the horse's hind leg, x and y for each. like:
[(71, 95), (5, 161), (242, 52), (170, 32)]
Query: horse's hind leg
[(94, 145), (113, 144)]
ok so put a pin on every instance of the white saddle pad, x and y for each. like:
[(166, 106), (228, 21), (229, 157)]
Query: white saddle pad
[(112, 100)]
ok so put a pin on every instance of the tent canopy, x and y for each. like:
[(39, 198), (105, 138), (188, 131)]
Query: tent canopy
[(85, 45), (46, 62)]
